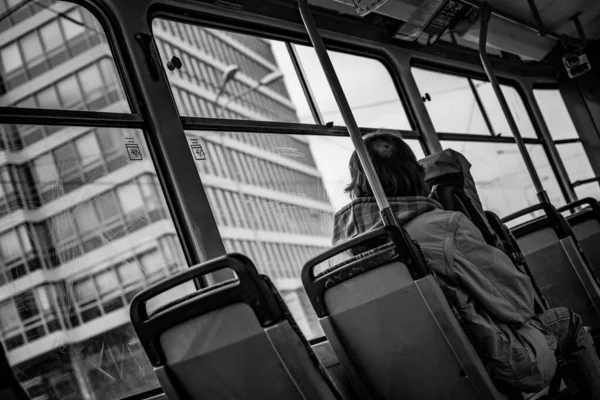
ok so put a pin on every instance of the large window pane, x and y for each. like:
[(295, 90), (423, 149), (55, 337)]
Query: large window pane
[(573, 155), (367, 84), (501, 178), (90, 262), (579, 168), (70, 41), (259, 90), (453, 106), (266, 86), (497, 118), (555, 113)]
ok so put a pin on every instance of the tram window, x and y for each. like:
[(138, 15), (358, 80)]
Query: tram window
[(561, 126), (367, 84), (578, 167), (268, 88), (45, 49), (555, 114), (454, 107), (501, 178), (258, 90), (95, 221)]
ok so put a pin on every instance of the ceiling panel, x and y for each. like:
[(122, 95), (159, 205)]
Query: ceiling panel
[(556, 13)]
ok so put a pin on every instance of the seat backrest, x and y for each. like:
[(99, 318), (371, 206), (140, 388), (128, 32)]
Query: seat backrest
[(558, 264), (234, 340), (396, 336), (586, 226)]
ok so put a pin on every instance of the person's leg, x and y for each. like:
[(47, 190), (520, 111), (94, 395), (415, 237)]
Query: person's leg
[(576, 346)]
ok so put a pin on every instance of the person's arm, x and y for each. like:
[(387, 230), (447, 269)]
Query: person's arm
[(489, 275)]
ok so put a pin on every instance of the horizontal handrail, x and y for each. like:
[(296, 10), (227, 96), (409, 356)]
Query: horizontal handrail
[(585, 181)]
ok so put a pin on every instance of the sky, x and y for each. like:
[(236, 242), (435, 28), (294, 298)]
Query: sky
[(503, 183)]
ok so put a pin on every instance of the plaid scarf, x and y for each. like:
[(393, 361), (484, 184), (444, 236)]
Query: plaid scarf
[(362, 215)]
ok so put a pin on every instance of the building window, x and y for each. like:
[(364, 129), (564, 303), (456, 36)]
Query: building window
[(89, 151), (11, 58), (70, 93), (32, 47), (51, 36)]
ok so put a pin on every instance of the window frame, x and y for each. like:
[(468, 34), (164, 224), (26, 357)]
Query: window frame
[(566, 141)]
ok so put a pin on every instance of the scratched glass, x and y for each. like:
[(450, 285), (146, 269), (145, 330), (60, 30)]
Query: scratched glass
[(83, 227)]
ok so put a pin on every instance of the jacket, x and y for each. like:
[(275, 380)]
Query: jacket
[(493, 299)]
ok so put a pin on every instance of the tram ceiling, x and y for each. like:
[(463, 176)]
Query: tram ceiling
[(514, 27)]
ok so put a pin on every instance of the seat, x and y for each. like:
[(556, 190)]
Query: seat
[(558, 264), (233, 340), (586, 226), (391, 327)]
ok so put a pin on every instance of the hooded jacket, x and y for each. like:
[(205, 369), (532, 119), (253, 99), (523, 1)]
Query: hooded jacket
[(493, 299)]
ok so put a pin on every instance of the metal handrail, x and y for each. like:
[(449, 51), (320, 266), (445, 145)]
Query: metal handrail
[(486, 12), (344, 106)]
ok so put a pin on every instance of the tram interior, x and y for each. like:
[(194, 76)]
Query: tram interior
[(170, 170)]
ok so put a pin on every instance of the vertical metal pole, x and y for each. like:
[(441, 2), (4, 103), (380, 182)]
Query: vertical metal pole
[(344, 106), (486, 117), (486, 13), (484, 113), (553, 156), (308, 93)]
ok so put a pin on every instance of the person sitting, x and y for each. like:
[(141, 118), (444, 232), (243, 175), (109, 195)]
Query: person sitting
[(495, 301)]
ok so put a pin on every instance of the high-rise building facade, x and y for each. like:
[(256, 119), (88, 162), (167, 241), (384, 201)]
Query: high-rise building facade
[(83, 221)]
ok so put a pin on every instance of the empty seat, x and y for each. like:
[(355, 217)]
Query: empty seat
[(392, 328), (586, 226), (557, 263), (234, 340)]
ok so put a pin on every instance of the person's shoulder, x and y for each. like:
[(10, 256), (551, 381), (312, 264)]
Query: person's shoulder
[(441, 216)]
